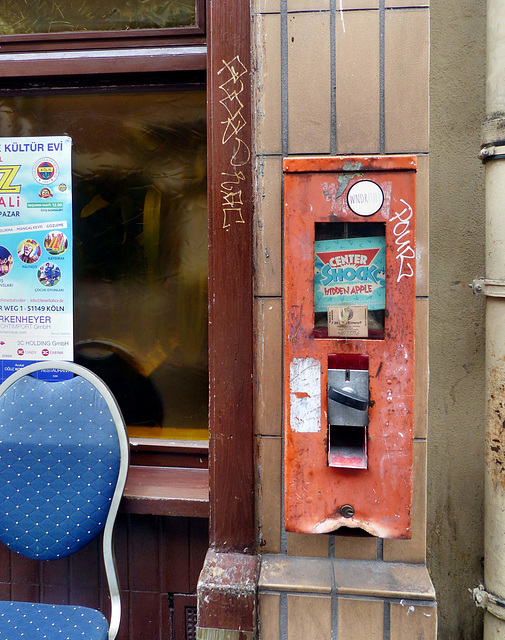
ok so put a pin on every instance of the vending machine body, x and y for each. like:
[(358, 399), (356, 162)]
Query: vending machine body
[(349, 318)]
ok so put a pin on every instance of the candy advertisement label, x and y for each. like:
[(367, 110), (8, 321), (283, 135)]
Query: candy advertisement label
[(36, 285), (348, 322), (350, 271)]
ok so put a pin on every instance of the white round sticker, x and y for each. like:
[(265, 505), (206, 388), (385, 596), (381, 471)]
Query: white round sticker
[(365, 198)]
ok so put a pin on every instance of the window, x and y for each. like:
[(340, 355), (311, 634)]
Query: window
[(80, 24), (140, 238), (139, 190)]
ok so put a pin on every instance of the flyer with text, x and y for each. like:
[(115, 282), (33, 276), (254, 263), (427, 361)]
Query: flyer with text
[(36, 284)]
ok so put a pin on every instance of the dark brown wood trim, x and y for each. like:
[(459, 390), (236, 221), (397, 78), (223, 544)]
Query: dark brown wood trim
[(201, 18), (184, 620), (169, 453), (165, 444), (230, 282), (227, 595), (167, 491), (102, 62), (62, 46), (69, 39)]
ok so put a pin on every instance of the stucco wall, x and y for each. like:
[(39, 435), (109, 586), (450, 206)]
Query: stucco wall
[(456, 405)]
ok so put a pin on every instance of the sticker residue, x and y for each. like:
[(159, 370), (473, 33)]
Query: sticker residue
[(305, 395)]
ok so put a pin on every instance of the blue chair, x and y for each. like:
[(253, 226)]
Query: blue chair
[(63, 467)]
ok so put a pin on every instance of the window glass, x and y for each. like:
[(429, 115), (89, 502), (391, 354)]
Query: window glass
[(19, 17), (140, 232)]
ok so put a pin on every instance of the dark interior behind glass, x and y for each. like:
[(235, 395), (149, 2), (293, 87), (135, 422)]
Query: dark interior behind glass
[(140, 234)]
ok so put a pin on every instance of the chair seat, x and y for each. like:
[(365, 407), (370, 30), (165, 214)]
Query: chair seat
[(28, 621)]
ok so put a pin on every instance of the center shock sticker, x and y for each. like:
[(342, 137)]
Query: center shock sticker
[(350, 271)]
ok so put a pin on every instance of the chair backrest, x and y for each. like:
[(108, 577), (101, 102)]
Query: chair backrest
[(63, 465)]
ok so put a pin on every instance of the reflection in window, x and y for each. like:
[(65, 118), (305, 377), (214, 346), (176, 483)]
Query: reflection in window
[(140, 232), (18, 16)]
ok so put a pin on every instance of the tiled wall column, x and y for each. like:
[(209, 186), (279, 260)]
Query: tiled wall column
[(334, 77)]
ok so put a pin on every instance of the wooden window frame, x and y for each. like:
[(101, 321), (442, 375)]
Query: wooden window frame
[(69, 40), (231, 459), (227, 58)]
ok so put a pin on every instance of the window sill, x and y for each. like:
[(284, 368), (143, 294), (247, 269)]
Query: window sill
[(167, 491), (169, 453), (43, 63)]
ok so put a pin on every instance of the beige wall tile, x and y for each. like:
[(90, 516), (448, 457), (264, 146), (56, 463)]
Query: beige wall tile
[(422, 226), (308, 5), (406, 80), (409, 620), (359, 4), (406, 3), (421, 370), (309, 83), (268, 227), (268, 366), (292, 573), (383, 579), (266, 6), (413, 550), (269, 616), (310, 545), (269, 466), (309, 617), (358, 547), (358, 82), (360, 619), (267, 85)]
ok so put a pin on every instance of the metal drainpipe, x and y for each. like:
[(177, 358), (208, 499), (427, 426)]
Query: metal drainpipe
[(491, 596)]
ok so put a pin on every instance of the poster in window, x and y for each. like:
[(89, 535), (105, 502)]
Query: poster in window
[(36, 290)]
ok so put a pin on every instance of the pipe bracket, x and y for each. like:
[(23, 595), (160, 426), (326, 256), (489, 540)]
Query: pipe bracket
[(488, 601), (492, 152), (485, 287), (493, 138)]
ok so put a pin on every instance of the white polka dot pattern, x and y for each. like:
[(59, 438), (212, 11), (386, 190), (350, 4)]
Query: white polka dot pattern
[(59, 462), (26, 621)]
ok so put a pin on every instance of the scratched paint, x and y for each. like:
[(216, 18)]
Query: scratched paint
[(495, 434), (305, 394), (332, 192)]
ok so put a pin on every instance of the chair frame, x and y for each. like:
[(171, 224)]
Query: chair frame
[(108, 550)]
